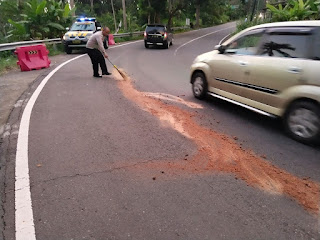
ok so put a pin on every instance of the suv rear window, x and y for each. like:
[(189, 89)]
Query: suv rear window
[(155, 29)]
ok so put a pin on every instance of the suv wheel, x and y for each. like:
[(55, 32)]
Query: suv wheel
[(199, 85), (68, 50), (302, 122), (146, 45), (166, 44)]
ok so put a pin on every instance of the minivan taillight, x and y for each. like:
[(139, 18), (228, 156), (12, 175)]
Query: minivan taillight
[(145, 34), (165, 35)]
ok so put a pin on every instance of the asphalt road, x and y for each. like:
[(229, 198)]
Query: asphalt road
[(102, 161)]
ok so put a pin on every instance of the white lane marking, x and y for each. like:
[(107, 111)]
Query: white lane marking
[(195, 39), (25, 229)]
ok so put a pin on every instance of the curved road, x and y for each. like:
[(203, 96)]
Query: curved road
[(112, 160)]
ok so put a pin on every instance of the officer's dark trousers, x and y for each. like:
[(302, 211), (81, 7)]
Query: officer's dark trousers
[(96, 59)]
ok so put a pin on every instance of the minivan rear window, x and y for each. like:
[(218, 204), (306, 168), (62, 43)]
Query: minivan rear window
[(286, 45)]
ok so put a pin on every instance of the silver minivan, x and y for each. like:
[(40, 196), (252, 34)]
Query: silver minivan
[(273, 69)]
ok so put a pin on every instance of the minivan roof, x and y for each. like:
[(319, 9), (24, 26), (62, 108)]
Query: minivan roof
[(311, 23)]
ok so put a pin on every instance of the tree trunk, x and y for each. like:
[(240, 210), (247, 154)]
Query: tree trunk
[(114, 16), (198, 15), (170, 5), (91, 5), (253, 10), (124, 15), (149, 14), (19, 4), (169, 24), (71, 4)]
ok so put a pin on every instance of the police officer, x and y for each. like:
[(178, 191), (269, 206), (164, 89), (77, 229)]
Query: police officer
[(97, 53)]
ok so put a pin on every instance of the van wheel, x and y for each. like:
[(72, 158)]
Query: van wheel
[(199, 85), (146, 45), (302, 121)]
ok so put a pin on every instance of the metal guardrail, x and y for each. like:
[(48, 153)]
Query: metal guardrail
[(120, 35), (12, 46)]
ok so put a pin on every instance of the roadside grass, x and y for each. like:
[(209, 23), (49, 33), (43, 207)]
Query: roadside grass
[(55, 49), (8, 62)]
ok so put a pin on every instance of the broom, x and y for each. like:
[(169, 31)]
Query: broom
[(121, 73)]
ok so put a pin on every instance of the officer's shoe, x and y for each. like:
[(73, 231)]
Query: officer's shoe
[(97, 76), (106, 73)]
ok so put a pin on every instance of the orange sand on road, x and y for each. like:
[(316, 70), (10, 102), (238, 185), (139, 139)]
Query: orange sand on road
[(218, 152)]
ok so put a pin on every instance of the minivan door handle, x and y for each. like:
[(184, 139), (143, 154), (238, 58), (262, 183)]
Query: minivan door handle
[(294, 70)]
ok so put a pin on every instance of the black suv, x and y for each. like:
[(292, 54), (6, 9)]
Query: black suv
[(157, 34)]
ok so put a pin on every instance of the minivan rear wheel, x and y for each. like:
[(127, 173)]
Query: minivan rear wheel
[(199, 85), (302, 121)]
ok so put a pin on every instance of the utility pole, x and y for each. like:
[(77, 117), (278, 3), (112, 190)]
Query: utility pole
[(124, 15)]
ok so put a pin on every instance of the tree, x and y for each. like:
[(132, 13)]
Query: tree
[(41, 19), (124, 15), (72, 6), (295, 10), (173, 7), (114, 16), (91, 5), (198, 14)]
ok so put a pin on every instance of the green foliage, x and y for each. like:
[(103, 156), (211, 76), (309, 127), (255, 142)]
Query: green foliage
[(295, 10), (244, 23), (55, 49), (107, 20), (40, 19)]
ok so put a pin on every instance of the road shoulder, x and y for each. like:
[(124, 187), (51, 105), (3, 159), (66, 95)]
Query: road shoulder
[(16, 88)]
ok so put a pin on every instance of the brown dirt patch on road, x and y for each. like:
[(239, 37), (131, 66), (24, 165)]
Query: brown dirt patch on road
[(219, 153)]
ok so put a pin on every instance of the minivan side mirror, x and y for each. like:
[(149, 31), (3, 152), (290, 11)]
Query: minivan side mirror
[(67, 28), (220, 48), (98, 28)]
